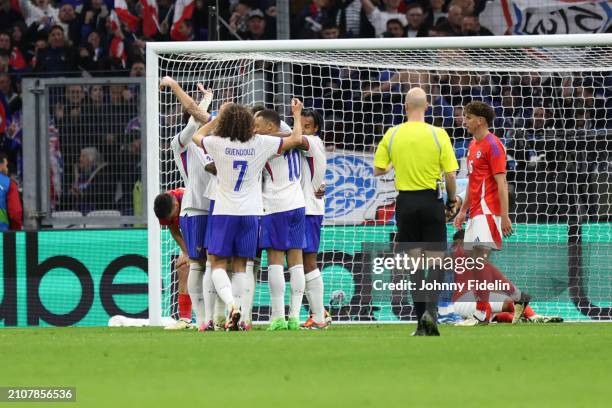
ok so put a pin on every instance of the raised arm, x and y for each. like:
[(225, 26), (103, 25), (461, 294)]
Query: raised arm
[(295, 140), (368, 6), (189, 105), (186, 136)]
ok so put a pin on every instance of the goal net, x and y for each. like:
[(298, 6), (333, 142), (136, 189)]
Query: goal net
[(552, 98)]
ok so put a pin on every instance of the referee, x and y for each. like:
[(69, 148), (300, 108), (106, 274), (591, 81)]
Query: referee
[(420, 153)]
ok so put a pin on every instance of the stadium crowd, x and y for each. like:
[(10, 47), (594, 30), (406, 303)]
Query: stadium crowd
[(103, 38)]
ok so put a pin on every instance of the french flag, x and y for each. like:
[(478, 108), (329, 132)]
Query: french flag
[(183, 10), (150, 17), (114, 21), (117, 50), (130, 20)]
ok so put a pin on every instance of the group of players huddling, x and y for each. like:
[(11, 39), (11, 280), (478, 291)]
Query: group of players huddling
[(253, 183)]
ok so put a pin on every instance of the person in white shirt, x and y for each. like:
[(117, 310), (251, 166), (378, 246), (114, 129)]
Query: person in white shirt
[(282, 226), (379, 18)]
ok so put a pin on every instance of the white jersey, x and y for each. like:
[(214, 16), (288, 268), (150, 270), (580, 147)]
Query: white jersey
[(284, 127), (191, 160), (314, 165), (239, 167), (282, 190)]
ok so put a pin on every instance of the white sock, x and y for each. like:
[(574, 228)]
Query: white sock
[(210, 294), (239, 290), (223, 286), (220, 308), (196, 291), (276, 282), (249, 290), (298, 285), (314, 291)]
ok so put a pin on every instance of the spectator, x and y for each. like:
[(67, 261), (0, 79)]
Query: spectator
[(94, 187), (351, 19), (138, 69), (329, 30), (19, 40), (11, 211), (310, 21), (395, 29), (256, 27), (10, 146), (99, 55), (378, 18), (416, 21), (239, 17), (12, 98), (436, 14), (452, 25), (8, 16), (58, 57), (470, 26), (69, 21), (93, 17), (41, 16), (17, 61)]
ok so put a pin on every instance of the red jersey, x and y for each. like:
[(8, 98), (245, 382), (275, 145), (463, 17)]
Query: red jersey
[(178, 194), (486, 158)]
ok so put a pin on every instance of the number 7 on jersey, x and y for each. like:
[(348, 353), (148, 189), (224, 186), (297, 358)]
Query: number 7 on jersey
[(242, 165)]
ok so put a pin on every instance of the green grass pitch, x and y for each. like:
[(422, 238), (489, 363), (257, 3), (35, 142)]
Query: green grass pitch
[(345, 366)]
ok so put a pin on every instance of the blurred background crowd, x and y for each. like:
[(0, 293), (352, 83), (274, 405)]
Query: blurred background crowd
[(94, 131)]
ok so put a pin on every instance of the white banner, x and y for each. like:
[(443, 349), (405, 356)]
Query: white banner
[(353, 196), (518, 17)]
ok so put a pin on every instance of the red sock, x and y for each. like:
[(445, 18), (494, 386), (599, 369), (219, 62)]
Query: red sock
[(528, 313), (503, 317), (486, 308), (184, 302)]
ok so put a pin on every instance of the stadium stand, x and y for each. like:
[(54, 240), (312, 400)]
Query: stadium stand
[(102, 38)]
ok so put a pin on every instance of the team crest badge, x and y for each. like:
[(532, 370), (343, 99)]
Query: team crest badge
[(478, 154)]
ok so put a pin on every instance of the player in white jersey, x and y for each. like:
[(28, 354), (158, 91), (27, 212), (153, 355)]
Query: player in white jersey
[(282, 226), (239, 156), (314, 165), (199, 195)]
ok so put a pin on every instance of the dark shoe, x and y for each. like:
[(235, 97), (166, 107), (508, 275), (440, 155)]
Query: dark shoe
[(429, 324)]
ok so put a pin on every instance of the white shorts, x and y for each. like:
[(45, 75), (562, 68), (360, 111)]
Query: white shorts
[(465, 305), (483, 230)]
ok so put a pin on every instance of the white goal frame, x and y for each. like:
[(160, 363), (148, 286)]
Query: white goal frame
[(153, 49)]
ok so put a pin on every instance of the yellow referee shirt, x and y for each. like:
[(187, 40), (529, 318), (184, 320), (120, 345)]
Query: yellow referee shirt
[(417, 156)]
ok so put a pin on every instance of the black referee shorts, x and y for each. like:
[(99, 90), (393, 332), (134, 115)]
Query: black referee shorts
[(420, 217)]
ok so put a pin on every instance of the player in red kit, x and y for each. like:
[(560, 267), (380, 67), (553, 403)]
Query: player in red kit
[(167, 207), (486, 199)]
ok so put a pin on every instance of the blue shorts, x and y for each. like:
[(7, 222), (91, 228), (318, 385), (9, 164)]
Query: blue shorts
[(193, 229), (283, 230), (209, 225), (233, 235), (313, 233)]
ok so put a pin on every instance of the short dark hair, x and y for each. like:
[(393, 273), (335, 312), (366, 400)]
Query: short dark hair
[(257, 108), (163, 205), (479, 108), (315, 115), (235, 123), (269, 115), (394, 21), (56, 27)]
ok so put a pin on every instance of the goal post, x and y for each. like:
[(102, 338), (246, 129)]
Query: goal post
[(551, 94)]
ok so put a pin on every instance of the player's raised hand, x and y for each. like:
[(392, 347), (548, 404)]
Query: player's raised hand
[(459, 220), (207, 93), (166, 82), (296, 106)]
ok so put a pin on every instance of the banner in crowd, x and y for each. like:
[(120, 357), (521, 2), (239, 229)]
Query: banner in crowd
[(546, 16), (354, 196)]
